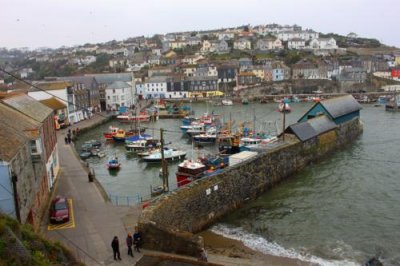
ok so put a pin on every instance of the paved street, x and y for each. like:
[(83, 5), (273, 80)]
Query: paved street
[(96, 221)]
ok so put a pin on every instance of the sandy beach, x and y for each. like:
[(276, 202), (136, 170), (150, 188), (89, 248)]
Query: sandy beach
[(226, 251)]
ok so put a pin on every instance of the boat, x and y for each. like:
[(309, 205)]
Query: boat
[(209, 137), (127, 118), (141, 143), (226, 102), (120, 136), (85, 154), (111, 132), (101, 154), (393, 105), (156, 191), (188, 171), (113, 163), (250, 142), (284, 107), (245, 101), (196, 129), (170, 154)]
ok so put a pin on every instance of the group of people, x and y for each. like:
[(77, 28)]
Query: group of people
[(68, 137), (135, 240)]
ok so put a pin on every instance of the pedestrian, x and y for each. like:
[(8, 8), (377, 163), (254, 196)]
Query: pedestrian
[(73, 132), (66, 140), (137, 240), (115, 247), (129, 243), (69, 137), (77, 131), (203, 255)]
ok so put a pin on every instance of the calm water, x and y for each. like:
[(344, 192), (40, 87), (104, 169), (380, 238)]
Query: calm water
[(340, 211)]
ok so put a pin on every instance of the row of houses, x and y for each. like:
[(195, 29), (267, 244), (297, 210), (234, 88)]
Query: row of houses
[(29, 160)]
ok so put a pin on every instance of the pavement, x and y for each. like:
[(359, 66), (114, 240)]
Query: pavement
[(95, 220)]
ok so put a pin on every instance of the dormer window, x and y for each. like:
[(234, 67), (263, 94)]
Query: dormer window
[(36, 147)]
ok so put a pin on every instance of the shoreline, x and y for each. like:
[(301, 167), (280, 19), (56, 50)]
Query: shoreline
[(233, 252)]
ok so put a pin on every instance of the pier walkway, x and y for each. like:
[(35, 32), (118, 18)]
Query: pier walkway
[(96, 220)]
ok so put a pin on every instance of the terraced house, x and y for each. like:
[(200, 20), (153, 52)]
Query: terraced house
[(28, 157)]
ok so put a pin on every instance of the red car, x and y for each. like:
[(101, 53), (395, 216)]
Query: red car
[(59, 210)]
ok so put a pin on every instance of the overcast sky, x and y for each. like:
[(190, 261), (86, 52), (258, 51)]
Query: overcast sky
[(53, 23)]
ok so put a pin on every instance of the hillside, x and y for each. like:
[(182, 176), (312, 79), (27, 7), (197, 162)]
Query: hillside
[(20, 245)]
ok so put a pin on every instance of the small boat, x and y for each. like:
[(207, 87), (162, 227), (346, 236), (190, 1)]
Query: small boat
[(101, 154), (245, 101), (196, 129), (284, 108), (94, 143), (85, 154), (209, 137), (156, 191), (188, 171), (120, 136), (127, 118), (170, 154), (113, 163), (227, 102), (111, 132)]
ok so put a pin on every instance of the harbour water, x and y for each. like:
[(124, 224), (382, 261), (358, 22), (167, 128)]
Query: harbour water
[(340, 211)]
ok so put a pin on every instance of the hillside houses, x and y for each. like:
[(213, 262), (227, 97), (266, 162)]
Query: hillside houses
[(242, 44), (266, 44)]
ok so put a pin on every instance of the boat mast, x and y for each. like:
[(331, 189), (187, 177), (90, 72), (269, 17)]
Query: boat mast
[(254, 123), (164, 165)]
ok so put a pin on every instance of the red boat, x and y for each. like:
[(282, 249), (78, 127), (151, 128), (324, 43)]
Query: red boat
[(142, 117), (188, 171), (111, 132)]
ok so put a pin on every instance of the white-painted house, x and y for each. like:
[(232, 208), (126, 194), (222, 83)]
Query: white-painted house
[(155, 87), (242, 44), (296, 44), (269, 44), (323, 43), (119, 94), (304, 35)]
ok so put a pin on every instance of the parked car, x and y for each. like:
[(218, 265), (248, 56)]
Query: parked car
[(59, 210)]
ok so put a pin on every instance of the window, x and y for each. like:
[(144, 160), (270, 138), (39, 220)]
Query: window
[(35, 146), (113, 91)]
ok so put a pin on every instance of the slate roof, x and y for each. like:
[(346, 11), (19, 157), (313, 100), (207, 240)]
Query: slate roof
[(53, 103), (109, 78), (87, 80), (29, 106), (118, 85), (340, 106), (14, 135), (53, 85), (311, 128)]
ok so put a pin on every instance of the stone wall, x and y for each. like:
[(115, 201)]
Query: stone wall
[(169, 221)]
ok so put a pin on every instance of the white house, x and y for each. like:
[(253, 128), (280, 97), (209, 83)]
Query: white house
[(155, 87), (296, 44), (323, 43), (269, 44), (65, 92), (242, 44), (304, 35), (119, 94), (226, 35)]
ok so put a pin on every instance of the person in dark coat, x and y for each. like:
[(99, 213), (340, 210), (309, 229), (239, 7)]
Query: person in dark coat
[(129, 243), (115, 247), (137, 240), (69, 137), (66, 140)]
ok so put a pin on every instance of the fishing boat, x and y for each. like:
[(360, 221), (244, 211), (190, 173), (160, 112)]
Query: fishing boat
[(127, 118), (85, 154), (393, 105), (196, 129), (209, 137), (227, 102), (119, 136), (170, 154), (141, 143), (284, 107), (111, 132), (188, 171), (113, 163)]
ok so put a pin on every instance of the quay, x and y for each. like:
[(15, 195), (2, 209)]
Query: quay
[(171, 221)]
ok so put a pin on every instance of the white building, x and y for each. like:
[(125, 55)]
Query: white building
[(323, 43), (304, 35), (119, 94), (226, 35), (155, 87), (296, 44), (269, 44), (63, 91), (242, 44)]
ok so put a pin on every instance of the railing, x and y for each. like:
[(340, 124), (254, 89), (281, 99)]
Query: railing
[(128, 200)]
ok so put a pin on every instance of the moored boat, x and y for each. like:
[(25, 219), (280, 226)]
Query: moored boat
[(111, 132), (227, 102), (119, 136), (127, 118), (85, 154), (284, 107), (188, 171), (113, 163), (170, 154)]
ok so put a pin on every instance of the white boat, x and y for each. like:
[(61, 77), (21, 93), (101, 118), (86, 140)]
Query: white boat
[(284, 108), (169, 154), (250, 142), (227, 102), (196, 129)]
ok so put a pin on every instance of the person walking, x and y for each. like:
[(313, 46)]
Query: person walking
[(129, 243), (137, 240), (66, 140), (115, 247), (69, 138)]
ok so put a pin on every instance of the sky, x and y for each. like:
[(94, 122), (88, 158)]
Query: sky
[(54, 23)]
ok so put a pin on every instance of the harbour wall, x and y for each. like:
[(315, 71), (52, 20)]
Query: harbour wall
[(170, 221)]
